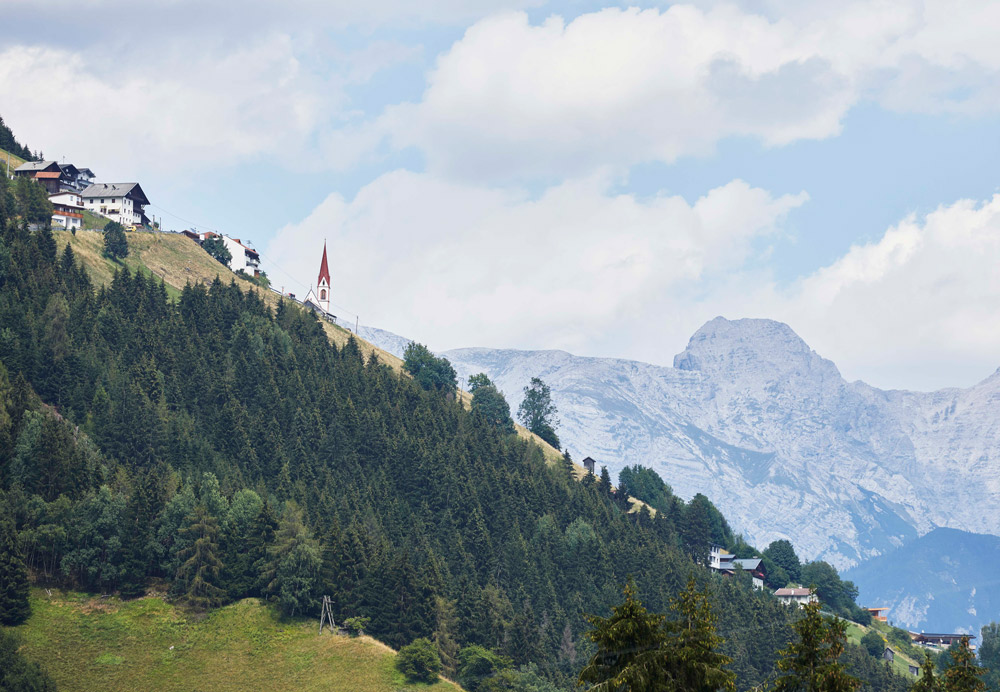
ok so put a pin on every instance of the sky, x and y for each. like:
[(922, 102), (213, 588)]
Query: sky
[(582, 175)]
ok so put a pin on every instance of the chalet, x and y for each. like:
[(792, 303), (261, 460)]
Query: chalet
[(796, 594), (717, 555), (121, 202), (589, 464), (67, 210), (46, 173), (755, 566), (938, 641), (879, 613)]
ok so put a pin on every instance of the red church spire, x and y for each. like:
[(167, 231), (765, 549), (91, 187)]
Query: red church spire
[(324, 271)]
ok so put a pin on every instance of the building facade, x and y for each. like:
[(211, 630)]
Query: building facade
[(121, 202), (67, 210)]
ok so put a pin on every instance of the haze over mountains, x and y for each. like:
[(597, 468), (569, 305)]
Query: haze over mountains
[(771, 432)]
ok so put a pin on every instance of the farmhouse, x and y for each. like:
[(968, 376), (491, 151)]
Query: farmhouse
[(242, 257), (796, 594), (56, 177), (67, 209), (121, 202)]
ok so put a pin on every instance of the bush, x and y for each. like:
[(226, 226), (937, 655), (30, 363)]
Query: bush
[(477, 665), (115, 241), (357, 625), (873, 643), (431, 372), (419, 660)]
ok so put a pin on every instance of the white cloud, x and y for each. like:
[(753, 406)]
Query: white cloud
[(458, 264), (617, 87), (914, 309)]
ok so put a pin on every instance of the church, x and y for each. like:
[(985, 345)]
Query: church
[(319, 300)]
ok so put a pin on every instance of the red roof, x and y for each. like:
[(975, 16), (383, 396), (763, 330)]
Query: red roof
[(53, 175), (324, 270)]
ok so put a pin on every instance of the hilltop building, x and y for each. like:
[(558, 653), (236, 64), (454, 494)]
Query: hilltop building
[(56, 177), (319, 300), (796, 594), (879, 613), (589, 463), (242, 256), (938, 641), (121, 202), (724, 562), (67, 210)]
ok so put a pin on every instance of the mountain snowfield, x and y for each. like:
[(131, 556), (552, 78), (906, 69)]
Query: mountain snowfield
[(752, 417)]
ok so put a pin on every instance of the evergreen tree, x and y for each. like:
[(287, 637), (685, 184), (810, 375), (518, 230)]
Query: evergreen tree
[(17, 674), (199, 574), (962, 673), (628, 656), (927, 682), (294, 563), (691, 657), (812, 663), (989, 655), (115, 241), (14, 605)]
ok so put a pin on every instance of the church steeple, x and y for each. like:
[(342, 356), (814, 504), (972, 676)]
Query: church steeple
[(323, 283)]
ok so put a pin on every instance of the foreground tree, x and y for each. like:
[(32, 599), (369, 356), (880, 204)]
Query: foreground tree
[(812, 663), (115, 241), (17, 674), (294, 562), (927, 682), (962, 673), (691, 655), (199, 575), (14, 606), (537, 412), (628, 647)]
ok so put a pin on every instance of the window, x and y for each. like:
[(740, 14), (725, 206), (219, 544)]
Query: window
[(322, 294)]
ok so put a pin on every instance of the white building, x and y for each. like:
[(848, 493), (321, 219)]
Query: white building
[(796, 594), (67, 210), (121, 202), (242, 257)]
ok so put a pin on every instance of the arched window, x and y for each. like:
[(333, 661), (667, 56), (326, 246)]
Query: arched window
[(322, 294)]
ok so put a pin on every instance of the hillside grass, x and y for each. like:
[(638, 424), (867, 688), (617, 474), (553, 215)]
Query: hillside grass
[(15, 160), (88, 643), (902, 660)]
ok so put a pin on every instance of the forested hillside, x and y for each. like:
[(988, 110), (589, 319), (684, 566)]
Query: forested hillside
[(8, 142), (228, 450)]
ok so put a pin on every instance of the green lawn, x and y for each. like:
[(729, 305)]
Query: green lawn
[(86, 643)]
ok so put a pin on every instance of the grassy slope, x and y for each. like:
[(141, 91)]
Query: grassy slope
[(178, 260), (15, 161), (87, 643), (902, 660)]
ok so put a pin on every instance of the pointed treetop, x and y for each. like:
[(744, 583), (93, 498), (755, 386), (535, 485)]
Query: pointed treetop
[(324, 270)]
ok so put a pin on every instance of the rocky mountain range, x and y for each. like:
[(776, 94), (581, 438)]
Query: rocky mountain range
[(771, 432)]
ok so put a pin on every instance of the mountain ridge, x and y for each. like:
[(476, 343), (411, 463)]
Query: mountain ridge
[(757, 419)]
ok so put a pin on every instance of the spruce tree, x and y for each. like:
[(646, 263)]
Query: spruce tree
[(14, 605), (962, 673), (692, 659), (294, 563), (812, 663), (628, 647), (199, 575), (927, 682)]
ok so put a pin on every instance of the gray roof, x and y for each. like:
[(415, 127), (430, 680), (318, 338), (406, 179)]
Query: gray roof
[(748, 563), (35, 165), (116, 190)]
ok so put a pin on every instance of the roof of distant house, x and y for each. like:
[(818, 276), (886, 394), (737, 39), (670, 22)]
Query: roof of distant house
[(35, 166), (748, 563), (115, 190), (793, 591)]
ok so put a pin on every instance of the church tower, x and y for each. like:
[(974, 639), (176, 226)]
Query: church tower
[(323, 284)]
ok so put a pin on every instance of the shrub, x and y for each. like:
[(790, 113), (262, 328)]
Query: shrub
[(356, 625), (419, 660)]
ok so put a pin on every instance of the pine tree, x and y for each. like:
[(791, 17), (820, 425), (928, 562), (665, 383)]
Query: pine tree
[(628, 647), (812, 664), (14, 605), (962, 673), (199, 575), (927, 682), (692, 659), (294, 562)]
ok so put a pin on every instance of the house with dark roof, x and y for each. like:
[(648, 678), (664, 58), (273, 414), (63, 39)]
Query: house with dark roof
[(56, 177), (589, 463), (121, 202), (930, 640)]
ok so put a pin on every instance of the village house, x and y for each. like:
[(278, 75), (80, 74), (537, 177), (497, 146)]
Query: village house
[(796, 594), (724, 562), (879, 614), (56, 177), (121, 202), (67, 209), (242, 257)]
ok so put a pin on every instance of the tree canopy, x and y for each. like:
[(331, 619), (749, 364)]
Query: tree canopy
[(537, 412)]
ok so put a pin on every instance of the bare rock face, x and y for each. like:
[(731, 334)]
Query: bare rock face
[(771, 432)]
